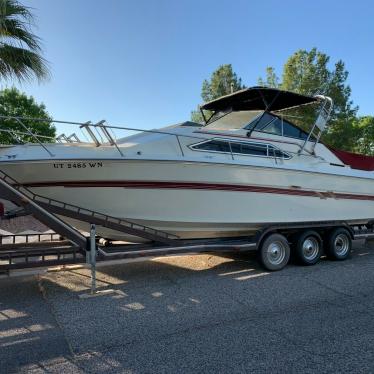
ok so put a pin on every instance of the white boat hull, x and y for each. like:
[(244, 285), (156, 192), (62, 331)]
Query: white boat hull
[(201, 200)]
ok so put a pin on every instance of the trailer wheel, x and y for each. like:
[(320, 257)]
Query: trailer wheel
[(308, 247), (338, 244), (274, 252)]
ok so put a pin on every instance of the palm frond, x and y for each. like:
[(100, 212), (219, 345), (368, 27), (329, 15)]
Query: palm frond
[(21, 63), (14, 9), (19, 47), (15, 31)]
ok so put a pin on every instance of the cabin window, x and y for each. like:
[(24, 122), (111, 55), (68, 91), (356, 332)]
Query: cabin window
[(249, 149), (240, 148), (214, 145)]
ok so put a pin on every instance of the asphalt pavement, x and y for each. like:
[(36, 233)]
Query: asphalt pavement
[(193, 314)]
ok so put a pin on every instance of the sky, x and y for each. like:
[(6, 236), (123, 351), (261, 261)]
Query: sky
[(141, 63)]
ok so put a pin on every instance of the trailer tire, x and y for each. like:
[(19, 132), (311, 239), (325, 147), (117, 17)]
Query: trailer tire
[(338, 244), (307, 247), (274, 252)]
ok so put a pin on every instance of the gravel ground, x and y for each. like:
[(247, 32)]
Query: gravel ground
[(202, 313), (22, 224)]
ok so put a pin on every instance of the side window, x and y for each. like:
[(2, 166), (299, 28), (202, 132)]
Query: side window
[(213, 145), (249, 149), (274, 152), (239, 148)]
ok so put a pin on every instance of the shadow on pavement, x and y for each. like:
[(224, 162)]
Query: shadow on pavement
[(167, 313)]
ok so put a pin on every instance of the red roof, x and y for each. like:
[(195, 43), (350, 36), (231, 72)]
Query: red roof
[(354, 160)]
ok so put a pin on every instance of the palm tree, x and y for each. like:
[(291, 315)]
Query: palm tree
[(19, 48)]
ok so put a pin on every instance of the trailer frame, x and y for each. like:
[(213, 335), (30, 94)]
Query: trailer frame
[(64, 252)]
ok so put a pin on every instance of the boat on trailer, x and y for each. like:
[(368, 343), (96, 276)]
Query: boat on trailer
[(247, 167)]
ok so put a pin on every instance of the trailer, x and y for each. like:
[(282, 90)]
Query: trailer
[(274, 245)]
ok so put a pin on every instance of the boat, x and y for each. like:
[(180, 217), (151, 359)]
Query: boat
[(247, 166)]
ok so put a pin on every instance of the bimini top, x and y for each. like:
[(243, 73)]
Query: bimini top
[(259, 98)]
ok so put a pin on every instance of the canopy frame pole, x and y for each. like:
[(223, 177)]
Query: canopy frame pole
[(267, 106), (207, 120), (203, 114)]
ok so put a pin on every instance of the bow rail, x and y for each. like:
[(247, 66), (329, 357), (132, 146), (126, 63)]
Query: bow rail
[(100, 134)]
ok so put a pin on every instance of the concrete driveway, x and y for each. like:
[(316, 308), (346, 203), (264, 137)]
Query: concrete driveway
[(203, 313)]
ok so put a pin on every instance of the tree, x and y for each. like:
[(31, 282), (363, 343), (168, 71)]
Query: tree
[(308, 73), (19, 48), (364, 127), (17, 104), (271, 79), (222, 82)]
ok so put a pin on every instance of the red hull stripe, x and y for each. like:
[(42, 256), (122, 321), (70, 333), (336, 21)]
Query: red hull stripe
[(201, 186)]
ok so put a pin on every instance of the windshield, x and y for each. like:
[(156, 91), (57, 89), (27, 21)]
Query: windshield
[(232, 120), (258, 121)]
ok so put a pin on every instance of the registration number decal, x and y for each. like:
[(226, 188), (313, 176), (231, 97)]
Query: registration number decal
[(78, 165)]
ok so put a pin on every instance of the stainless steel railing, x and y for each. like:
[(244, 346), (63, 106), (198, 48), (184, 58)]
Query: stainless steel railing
[(99, 133), (102, 134)]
